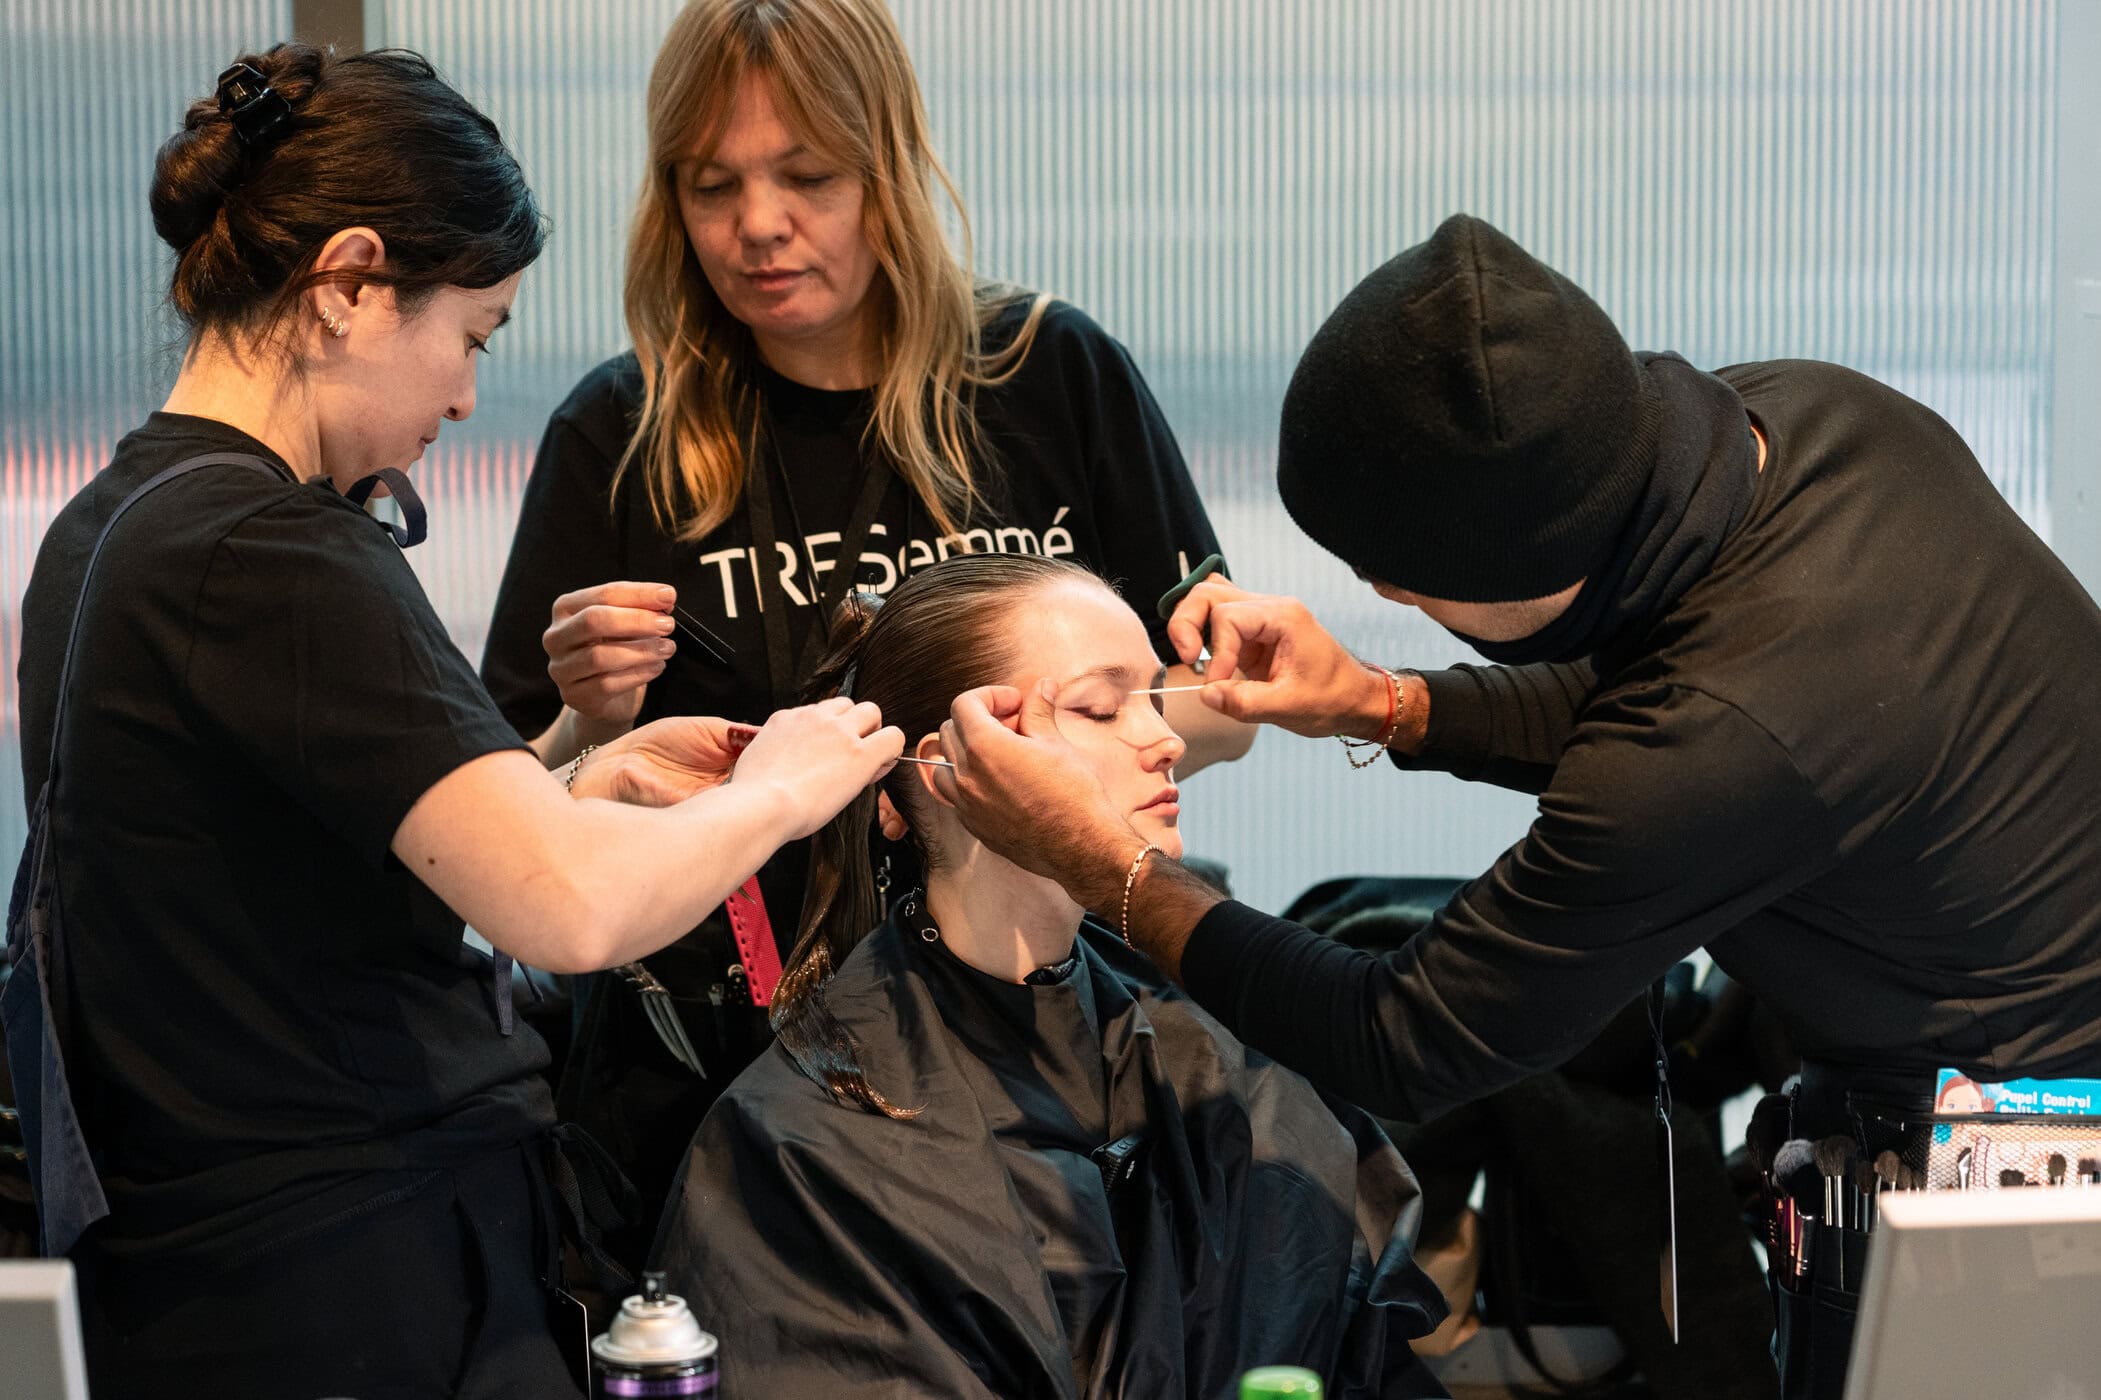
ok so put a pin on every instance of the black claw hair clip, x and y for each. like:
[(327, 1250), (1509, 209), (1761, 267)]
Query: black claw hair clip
[(259, 111)]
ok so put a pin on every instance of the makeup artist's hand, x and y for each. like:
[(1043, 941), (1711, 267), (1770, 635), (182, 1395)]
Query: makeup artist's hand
[(660, 763), (1020, 788), (1291, 673), (606, 644), (820, 757)]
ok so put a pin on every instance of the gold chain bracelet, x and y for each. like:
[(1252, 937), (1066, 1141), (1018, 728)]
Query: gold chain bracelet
[(1123, 924)]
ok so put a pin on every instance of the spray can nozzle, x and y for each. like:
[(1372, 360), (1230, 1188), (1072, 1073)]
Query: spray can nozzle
[(654, 1343)]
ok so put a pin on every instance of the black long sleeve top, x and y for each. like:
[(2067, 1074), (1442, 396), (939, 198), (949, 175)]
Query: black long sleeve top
[(1857, 760)]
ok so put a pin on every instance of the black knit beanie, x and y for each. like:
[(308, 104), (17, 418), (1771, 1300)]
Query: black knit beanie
[(1467, 424)]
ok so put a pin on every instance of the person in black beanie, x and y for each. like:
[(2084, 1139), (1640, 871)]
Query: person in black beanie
[(1789, 677)]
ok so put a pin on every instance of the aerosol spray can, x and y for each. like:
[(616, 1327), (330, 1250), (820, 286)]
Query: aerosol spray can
[(654, 1348)]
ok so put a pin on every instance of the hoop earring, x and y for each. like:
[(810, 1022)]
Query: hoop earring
[(336, 325)]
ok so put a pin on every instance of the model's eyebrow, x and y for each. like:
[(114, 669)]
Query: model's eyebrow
[(503, 320), (1118, 675)]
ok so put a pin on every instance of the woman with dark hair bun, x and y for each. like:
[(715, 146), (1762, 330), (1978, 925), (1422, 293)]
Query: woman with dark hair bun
[(994, 1152), (278, 1111)]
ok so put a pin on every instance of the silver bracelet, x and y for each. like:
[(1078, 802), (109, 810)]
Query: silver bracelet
[(576, 765)]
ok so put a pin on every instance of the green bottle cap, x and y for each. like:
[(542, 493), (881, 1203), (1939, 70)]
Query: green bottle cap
[(1265, 1381)]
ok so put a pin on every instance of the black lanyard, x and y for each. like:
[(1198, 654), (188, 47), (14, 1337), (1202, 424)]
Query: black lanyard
[(787, 664)]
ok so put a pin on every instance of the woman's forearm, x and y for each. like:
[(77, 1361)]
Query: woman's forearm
[(563, 740), (693, 857), (576, 885)]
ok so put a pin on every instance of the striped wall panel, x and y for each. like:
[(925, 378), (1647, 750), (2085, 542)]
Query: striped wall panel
[(87, 94), (1861, 180)]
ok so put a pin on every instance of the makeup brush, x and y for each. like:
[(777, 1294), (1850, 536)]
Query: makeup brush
[(1832, 1154), (1766, 1131), (1834, 1157), (1795, 1177), (1863, 1178), (1795, 1173), (1166, 689)]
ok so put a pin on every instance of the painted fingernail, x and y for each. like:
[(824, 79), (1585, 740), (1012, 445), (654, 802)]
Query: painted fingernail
[(667, 596)]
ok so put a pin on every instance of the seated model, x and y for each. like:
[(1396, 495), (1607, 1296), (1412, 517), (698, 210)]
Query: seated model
[(994, 1151)]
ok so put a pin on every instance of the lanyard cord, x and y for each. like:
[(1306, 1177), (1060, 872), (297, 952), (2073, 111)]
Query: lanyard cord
[(786, 664)]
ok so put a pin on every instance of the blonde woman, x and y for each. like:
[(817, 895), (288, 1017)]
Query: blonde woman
[(820, 397)]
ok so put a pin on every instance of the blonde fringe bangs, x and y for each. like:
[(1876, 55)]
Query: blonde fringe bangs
[(846, 85)]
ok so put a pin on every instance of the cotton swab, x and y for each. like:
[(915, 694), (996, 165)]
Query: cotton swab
[(928, 762)]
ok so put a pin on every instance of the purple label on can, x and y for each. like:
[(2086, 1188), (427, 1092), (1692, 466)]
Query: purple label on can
[(676, 1385)]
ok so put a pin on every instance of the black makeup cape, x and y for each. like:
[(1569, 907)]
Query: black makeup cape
[(837, 1254)]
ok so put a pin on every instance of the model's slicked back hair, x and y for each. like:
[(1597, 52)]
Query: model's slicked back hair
[(943, 631)]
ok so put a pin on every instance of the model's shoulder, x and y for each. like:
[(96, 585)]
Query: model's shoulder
[(876, 992), (874, 1001)]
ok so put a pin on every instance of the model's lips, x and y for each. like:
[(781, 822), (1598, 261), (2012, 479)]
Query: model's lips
[(774, 278), (1166, 803)]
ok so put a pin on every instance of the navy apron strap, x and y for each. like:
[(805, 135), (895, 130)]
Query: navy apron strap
[(416, 521), (62, 1175)]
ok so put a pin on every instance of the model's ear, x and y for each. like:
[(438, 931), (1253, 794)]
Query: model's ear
[(929, 748), (887, 818), (893, 821)]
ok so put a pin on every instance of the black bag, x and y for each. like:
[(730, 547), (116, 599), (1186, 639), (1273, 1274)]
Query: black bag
[(17, 1206), (62, 1178)]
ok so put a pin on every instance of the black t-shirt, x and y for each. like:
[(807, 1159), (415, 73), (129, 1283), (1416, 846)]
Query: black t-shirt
[(1078, 462), (1857, 759), (266, 1014)]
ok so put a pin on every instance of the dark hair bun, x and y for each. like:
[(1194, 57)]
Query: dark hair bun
[(373, 139), (191, 175), (202, 164), (199, 171)]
